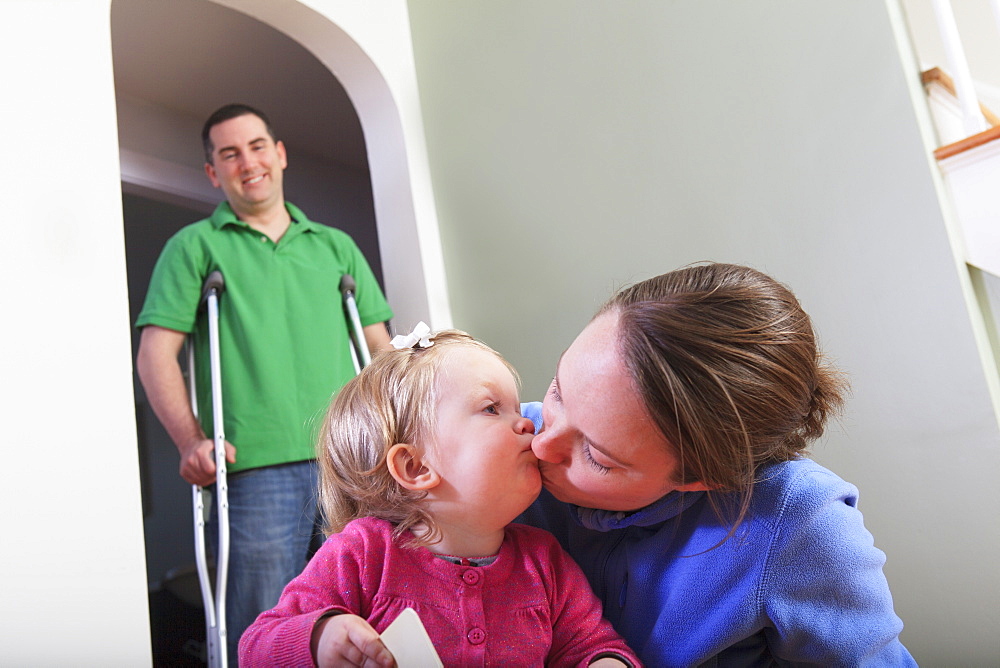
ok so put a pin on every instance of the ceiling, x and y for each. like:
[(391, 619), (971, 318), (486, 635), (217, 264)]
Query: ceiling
[(193, 56)]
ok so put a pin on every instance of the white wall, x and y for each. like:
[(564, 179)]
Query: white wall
[(576, 146), (73, 578)]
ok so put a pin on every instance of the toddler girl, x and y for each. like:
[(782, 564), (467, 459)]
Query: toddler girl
[(425, 460)]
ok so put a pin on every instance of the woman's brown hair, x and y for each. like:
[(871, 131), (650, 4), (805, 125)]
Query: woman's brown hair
[(728, 367)]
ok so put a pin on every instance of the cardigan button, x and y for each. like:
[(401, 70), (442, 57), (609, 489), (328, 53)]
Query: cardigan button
[(471, 577), (476, 635)]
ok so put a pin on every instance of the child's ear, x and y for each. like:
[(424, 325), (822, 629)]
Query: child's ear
[(409, 470)]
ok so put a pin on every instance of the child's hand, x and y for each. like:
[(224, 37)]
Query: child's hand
[(348, 640)]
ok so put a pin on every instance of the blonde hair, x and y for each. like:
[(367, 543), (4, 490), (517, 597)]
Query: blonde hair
[(393, 400)]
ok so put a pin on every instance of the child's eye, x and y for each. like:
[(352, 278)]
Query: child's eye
[(493, 409)]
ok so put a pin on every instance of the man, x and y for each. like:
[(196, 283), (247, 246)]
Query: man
[(284, 352)]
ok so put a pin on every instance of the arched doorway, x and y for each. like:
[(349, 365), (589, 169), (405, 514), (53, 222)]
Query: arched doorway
[(174, 64)]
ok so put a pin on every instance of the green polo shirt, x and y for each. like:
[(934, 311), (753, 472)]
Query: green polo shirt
[(283, 334)]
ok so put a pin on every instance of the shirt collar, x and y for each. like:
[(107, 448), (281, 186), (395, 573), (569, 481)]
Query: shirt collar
[(223, 215)]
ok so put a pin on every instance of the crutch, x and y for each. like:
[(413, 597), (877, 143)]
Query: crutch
[(359, 346), (215, 611)]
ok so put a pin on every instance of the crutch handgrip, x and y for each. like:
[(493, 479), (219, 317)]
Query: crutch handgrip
[(359, 349), (214, 283), (347, 284)]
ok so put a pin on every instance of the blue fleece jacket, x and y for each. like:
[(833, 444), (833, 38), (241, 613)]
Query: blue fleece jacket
[(800, 582)]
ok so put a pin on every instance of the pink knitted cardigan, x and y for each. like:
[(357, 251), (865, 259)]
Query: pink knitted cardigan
[(532, 606)]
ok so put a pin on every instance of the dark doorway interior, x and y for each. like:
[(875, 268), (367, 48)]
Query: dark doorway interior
[(177, 621)]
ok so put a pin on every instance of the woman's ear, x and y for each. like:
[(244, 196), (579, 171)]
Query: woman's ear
[(408, 469), (694, 487)]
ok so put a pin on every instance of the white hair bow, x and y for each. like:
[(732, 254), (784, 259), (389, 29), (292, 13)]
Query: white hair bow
[(417, 336)]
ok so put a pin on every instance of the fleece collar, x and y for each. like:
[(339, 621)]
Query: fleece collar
[(668, 507)]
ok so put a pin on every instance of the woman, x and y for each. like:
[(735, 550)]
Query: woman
[(671, 445)]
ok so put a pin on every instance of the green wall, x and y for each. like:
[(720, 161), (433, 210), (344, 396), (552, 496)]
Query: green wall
[(578, 146)]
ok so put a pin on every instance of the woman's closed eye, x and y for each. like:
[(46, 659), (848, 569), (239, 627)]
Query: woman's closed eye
[(601, 468), (554, 390)]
